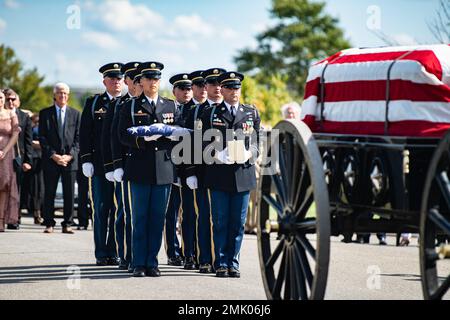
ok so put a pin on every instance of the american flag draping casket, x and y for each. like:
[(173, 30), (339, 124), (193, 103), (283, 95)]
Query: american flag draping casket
[(361, 88)]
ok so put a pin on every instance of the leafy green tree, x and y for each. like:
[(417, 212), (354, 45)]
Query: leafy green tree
[(303, 33), (268, 98), (27, 83)]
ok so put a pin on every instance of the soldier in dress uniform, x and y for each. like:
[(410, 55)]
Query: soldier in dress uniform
[(101, 190), (148, 168), (194, 172), (119, 154), (110, 139), (181, 195), (198, 87), (230, 175)]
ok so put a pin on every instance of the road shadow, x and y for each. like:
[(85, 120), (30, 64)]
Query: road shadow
[(42, 273), (27, 274), (408, 277)]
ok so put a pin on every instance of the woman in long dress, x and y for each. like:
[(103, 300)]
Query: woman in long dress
[(9, 196)]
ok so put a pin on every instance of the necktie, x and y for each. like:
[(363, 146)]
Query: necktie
[(233, 112), (60, 125), (61, 129), (153, 106)]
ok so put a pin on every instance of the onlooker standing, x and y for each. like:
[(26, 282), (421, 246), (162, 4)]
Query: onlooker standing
[(24, 148), (59, 137), (36, 194), (9, 195)]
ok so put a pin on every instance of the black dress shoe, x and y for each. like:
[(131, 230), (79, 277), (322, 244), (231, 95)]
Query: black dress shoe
[(15, 226), (113, 261), (383, 242), (139, 272), (205, 268), (153, 272), (123, 265), (177, 261), (102, 262), (222, 272), (189, 264), (234, 273), (82, 228), (130, 269)]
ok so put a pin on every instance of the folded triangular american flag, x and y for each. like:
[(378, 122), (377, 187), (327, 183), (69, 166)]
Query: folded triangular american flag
[(158, 129)]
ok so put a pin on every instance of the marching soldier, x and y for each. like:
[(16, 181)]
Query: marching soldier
[(148, 168), (181, 195), (230, 176), (110, 138), (101, 190), (206, 90), (119, 154)]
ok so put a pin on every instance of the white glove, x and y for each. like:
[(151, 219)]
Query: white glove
[(223, 156), (118, 174), (192, 182), (178, 183), (247, 156), (153, 138), (110, 176), (173, 138), (88, 169)]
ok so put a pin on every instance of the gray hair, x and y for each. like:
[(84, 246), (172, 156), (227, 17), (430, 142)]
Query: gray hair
[(61, 85), (291, 105)]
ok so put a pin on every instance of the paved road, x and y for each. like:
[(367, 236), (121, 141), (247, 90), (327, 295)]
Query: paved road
[(33, 265)]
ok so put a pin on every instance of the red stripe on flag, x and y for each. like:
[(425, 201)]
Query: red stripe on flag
[(426, 57), (376, 91), (410, 128)]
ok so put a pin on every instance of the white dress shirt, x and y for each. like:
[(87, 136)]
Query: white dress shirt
[(61, 110), (155, 101), (229, 108), (212, 102)]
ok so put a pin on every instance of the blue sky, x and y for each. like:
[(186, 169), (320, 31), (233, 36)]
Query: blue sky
[(184, 35)]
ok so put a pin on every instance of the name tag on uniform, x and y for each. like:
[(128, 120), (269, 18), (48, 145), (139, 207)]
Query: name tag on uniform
[(100, 113)]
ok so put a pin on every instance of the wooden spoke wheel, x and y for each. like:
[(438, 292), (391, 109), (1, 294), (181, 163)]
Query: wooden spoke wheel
[(435, 225), (294, 216)]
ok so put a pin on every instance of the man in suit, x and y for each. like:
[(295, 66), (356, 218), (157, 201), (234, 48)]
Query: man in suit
[(25, 142), (148, 168), (101, 190), (59, 138), (230, 170)]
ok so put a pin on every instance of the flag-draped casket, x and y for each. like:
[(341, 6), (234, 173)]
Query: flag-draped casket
[(358, 91)]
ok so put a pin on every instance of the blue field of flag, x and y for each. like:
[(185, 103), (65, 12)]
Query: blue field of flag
[(158, 129)]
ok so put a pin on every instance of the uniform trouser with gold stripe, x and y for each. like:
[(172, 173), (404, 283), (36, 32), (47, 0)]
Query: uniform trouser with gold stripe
[(173, 248), (229, 211), (188, 223), (204, 240), (123, 222), (149, 205), (102, 194)]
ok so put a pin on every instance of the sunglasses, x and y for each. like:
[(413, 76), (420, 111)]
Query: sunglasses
[(11, 99)]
